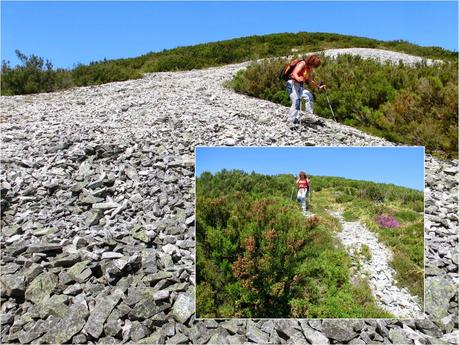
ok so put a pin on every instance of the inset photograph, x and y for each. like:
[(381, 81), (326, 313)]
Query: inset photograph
[(310, 232)]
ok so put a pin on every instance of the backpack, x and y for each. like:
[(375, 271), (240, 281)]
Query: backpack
[(288, 68)]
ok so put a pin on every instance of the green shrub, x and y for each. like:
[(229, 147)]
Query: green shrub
[(407, 215), (33, 75), (349, 216), (257, 256), (365, 251), (205, 55), (343, 198), (101, 73)]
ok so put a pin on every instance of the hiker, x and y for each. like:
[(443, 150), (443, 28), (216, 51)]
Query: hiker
[(302, 184), (302, 73)]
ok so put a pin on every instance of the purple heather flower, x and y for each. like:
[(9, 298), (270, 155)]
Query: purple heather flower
[(387, 222)]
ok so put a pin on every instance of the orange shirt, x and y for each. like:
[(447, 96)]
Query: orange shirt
[(301, 72), (302, 183)]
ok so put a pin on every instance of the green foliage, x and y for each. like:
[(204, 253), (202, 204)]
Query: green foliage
[(407, 244), (365, 251), (349, 216), (101, 73), (416, 105), (350, 190), (35, 75), (406, 241), (257, 256), (40, 78), (32, 76), (406, 215)]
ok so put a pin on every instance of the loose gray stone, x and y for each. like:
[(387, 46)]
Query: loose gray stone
[(255, 334), (111, 255), (155, 339), (338, 331), (61, 331), (397, 337), (438, 293), (138, 331), (160, 295), (144, 309), (312, 335), (13, 285), (183, 308), (104, 306), (33, 333), (180, 339), (41, 287)]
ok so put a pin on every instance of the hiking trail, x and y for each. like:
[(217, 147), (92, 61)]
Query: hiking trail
[(381, 276)]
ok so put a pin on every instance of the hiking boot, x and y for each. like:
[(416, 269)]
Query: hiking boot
[(293, 124)]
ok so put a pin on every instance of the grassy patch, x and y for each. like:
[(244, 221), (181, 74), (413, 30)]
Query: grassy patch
[(349, 216), (365, 251), (407, 244)]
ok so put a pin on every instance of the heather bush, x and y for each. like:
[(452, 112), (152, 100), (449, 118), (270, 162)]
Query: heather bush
[(387, 222)]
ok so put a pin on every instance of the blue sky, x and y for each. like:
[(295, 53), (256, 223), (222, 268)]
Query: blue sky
[(402, 166), (79, 32)]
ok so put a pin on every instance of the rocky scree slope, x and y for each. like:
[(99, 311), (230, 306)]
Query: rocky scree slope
[(97, 200)]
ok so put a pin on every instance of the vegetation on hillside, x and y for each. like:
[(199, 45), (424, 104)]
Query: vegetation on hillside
[(257, 256), (416, 105), (34, 74), (366, 202)]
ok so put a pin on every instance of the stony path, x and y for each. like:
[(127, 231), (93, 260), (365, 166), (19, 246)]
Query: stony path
[(380, 55), (97, 200), (390, 297)]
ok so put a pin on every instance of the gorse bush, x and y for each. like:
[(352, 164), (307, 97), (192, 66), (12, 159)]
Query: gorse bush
[(257, 256), (416, 105), (194, 57)]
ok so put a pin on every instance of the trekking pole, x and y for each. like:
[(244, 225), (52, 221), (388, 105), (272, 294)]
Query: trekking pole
[(299, 115), (328, 101), (293, 189)]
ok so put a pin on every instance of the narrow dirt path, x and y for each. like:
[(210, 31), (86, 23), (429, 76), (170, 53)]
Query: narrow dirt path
[(390, 297)]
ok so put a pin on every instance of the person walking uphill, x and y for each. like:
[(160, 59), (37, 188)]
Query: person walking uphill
[(303, 185), (302, 73)]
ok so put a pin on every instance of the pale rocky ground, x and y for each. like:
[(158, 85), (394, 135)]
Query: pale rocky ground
[(380, 55), (381, 276), (97, 198)]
